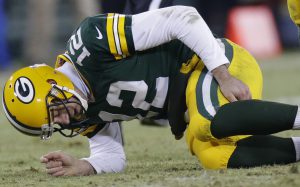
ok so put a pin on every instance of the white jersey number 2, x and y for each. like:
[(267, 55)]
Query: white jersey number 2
[(140, 88)]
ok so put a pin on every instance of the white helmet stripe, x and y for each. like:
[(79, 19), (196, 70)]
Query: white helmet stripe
[(14, 123)]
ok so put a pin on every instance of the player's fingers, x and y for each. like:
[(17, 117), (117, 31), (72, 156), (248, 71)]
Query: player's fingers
[(244, 94), (51, 171), (241, 96), (250, 95), (53, 164), (59, 173), (43, 159), (231, 98), (56, 155)]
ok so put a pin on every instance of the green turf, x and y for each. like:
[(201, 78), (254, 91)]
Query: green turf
[(154, 157)]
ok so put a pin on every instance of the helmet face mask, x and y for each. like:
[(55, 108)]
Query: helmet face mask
[(30, 96), (53, 102)]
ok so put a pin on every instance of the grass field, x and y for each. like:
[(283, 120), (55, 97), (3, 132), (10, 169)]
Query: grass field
[(154, 157)]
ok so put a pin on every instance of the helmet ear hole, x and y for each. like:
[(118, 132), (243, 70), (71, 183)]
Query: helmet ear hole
[(51, 81)]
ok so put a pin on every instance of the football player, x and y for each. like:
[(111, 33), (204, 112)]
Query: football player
[(155, 64), (294, 9)]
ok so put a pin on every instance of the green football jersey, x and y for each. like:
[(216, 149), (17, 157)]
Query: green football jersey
[(125, 83)]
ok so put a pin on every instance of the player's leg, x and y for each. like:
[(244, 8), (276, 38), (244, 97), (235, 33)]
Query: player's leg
[(204, 99), (248, 152), (254, 117), (263, 150)]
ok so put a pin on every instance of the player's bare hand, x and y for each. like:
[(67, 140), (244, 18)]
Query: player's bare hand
[(59, 163), (232, 88)]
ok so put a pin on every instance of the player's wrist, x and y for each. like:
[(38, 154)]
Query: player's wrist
[(221, 73), (85, 168)]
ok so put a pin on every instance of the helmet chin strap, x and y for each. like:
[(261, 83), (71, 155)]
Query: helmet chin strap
[(82, 101)]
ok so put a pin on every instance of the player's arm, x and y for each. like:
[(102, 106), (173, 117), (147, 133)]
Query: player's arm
[(107, 152), (153, 28), (156, 27), (107, 156), (111, 37)]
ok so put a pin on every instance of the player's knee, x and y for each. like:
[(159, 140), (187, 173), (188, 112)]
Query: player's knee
[(208, 161), (209, 153), (203, 152)]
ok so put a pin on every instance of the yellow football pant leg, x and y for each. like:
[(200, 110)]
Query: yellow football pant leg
[(214, 153)]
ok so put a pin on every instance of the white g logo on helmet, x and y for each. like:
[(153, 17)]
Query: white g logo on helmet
[(24, 90)]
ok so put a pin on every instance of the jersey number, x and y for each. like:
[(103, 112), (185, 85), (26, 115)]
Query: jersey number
[(140, 88), (75, 44)]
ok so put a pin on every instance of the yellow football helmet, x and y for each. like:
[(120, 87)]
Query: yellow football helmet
[(30, 93)]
